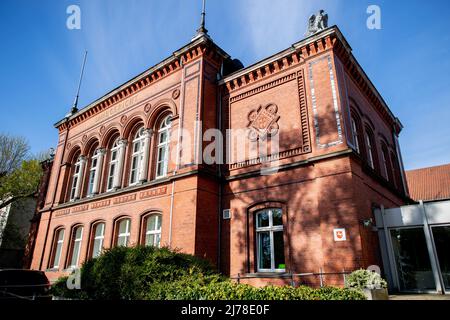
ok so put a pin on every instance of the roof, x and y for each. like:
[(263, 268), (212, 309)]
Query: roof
[(429, 184)]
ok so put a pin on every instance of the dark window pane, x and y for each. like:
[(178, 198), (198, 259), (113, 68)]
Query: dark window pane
[(412, 259), (264, 250), (262, 219), (278, 244), (441, 237), (277, 217)]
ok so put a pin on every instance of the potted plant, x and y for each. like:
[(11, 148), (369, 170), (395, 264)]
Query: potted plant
[(371, 283)]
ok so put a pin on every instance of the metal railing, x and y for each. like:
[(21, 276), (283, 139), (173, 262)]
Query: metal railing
[(293, 276)]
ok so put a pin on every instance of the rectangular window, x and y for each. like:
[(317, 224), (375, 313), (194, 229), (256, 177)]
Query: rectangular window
[(98, 240), (270, 241), (153, 231), (355, 135), (123, 235), (76, 245), (369, 152), (58, 247), (112, 171)]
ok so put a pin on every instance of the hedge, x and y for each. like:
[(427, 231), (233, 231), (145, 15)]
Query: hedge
[(147, 273)]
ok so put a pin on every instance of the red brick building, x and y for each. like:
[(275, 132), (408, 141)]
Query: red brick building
[(114, 183)]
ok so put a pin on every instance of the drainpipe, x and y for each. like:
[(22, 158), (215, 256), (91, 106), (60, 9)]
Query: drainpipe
[(54, 195), (400, 164), (219, 238), (178, 157)]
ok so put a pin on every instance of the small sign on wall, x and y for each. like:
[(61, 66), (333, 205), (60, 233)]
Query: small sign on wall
[(340, 235)]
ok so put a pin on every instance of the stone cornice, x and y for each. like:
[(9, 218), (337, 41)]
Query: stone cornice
[(329, 39), (200, 46)]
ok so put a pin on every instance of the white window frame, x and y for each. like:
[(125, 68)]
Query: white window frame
[(93, 171), (75, 177), (355, 134), (271, 229), (59, 243), (369, 151), (126, 234), (154, 232), (137, 154), (164, 128), (76, 241), (385, 164), (115, 162), (100, 238)]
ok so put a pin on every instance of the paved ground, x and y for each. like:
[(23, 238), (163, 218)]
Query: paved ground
[(419, 297)]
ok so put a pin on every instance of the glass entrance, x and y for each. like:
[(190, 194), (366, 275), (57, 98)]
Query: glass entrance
[(441, 236), (412, 260)]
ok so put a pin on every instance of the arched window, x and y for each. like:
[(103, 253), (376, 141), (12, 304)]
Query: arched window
[(113, 164), (355, 134), (57, 248), (76, 176), (270, 241), (370, 149), (93, 171), (75, 246), (137, 156), (163, 148), (153, 230), (98, 234), (123, 232)]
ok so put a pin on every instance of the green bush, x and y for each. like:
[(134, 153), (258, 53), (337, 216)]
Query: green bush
[(216, 288), (127, 273), (365, 279), (148, 273)]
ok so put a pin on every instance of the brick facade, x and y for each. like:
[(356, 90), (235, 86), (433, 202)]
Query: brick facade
[(304, 96)]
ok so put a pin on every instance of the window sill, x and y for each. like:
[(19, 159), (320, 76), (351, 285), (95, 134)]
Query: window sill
[(262, 275)]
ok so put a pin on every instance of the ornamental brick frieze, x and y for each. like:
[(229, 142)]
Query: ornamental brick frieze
[(263, 122), (124, 199), (153, 193), (100, 204), (81, 208)]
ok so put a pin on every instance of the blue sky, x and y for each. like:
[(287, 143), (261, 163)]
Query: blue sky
[(407, 60)]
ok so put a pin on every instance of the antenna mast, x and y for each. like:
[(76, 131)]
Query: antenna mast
[(75, 103), (202, 30)]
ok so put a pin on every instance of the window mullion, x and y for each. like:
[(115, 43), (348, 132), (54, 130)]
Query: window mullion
[(272, 252)]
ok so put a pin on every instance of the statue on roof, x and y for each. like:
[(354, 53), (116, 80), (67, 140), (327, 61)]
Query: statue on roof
[(317, 22)]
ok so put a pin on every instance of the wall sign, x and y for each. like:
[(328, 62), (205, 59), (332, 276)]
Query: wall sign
[(340, 235)]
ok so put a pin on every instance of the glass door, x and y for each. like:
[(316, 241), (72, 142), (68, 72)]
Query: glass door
[(441, 237), (412, 260)]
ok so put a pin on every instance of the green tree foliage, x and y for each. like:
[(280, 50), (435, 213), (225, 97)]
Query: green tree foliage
[(19, 174)]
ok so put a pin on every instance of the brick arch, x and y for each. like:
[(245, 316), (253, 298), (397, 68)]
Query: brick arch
[(90, 143), (131, 124), (162, 107), (112, 130), (261, 205), (354, 106), (73, 151), (369, 124)]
